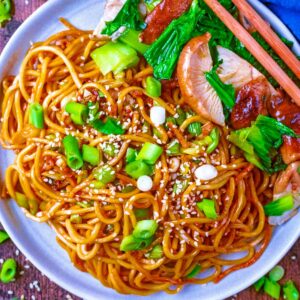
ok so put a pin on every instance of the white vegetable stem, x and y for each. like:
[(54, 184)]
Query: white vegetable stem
[(158, 115)]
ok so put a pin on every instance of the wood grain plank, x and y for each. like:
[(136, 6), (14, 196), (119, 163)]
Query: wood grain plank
[(49, 290)]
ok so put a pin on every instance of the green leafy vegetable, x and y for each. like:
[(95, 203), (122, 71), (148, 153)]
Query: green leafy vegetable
[(5, 10), (129, 16), (279, 206), (225, 92), (261, 141), (163, 54), (110, 126), (131, 38)]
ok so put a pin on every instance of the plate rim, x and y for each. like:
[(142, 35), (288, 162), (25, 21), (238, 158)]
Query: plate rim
[(35, 260)]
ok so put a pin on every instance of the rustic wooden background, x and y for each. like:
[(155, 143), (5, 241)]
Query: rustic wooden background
[(30, 282)]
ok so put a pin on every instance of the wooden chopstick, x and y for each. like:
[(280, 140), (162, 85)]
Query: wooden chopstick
[(255, 49), (269, 35)]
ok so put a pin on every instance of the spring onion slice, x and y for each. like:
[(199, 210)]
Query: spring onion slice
[(131, 155), (276, 273), (3, 236), (156, 252), (173, 148), (138, 168), (78, 112), (145, 229), (272, 288), (290, 291), (91, 155), (8, 271), (36, 115), (72, 151), (215, 139), (131, 243), (208, 208), (141, 213), (105, 174), (150, 153), (196, 270), (259, 283), (153, 87)]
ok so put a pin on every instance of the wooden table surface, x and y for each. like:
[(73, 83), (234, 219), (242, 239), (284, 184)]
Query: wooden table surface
[(34, 285)]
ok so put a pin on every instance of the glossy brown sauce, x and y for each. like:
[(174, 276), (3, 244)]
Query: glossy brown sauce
[(163, 14)]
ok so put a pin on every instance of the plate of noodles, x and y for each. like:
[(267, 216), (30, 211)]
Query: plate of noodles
[(147, 150)]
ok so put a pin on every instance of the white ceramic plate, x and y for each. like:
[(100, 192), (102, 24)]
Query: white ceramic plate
[(37, 241)]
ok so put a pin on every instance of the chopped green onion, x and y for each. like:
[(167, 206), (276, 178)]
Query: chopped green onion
[(180, 116), (196, 270), (128, 189), (153, 87), (150, 153), (215, 137), (5, 10), (97, 184), (76, 219), (156, 252), (36, 115), (173, 148), (105, 174), (101, 95), (74, 159), (8, 271), (141, 213), (78, 112), (138, 168), (114, 56), (33, 206), (131, 38), (171, 120), (276, 273), (3, 236), (110, 150), (279, 206), (298, 170), (130, 243), (110, 126), (85, 204), (22, 200), (156, 132), (290, 291), (145, 229), (131, 155), (272, 288), (91, 155), (259, 283), (208, 208), (180, 187), (194, 129)]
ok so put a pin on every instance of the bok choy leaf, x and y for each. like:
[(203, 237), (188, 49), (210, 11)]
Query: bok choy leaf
[(261, 141), (163, 54), (129, 16)]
